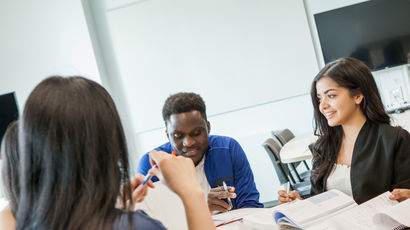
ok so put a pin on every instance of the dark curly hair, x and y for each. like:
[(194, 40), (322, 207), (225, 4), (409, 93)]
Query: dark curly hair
[(182, 103)]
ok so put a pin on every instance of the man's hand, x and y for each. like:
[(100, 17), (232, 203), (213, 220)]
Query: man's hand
[(215, 196)]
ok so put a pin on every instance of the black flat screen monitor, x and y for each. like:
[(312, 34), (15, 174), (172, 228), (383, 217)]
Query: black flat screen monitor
[(8, 112), (376, 32)]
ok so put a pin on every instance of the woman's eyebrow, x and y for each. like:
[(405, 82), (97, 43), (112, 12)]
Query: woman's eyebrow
[(327, 91)]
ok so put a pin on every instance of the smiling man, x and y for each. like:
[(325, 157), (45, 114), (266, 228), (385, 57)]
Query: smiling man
[(217, 159)]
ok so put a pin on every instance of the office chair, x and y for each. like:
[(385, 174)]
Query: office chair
[(282, 170), (284, 136)]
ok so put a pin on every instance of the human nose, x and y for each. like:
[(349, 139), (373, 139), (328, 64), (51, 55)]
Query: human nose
[(188, 141), (323, 104)]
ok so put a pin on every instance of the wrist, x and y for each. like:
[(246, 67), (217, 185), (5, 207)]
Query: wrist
[(192, 193)]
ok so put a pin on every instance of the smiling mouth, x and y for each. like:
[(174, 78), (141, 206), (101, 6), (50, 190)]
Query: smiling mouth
[(190, 153), (329, 115)]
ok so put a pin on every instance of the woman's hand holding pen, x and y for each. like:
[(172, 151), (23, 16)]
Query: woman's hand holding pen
[(139, 191), (285, 197), (180, 176), (215, 196), (177, 171)]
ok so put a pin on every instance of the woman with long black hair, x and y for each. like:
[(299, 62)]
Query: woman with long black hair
[(74, 164), (358, 151)]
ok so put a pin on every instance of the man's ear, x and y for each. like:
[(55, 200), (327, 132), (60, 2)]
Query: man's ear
[(208, 125), (166, 133)]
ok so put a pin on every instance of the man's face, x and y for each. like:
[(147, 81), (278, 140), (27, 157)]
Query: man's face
[(188, 134)]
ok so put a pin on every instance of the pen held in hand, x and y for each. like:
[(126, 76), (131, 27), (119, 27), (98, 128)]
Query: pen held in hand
[(287, 189), (226, 189), (148, 176)]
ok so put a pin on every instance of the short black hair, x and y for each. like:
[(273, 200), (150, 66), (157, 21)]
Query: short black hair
[(181, 103)]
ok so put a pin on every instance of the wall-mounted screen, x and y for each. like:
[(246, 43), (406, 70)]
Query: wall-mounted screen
[(376, 32)]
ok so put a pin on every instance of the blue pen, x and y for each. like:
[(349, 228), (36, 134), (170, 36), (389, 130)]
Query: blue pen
[(148, 176)]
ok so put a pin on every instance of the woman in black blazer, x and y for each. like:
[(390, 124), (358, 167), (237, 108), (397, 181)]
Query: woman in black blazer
[(355, 132)]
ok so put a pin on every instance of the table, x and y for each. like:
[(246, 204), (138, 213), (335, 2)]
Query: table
[(402, 119), (297, 149), (252, 218)]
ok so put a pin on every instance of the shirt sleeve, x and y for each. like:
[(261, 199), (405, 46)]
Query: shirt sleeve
[(144, 165), (402, 161), (245, 188)]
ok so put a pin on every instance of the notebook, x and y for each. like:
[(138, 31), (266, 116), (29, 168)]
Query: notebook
[(336, 210)]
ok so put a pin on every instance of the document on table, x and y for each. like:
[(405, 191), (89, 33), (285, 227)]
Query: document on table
[(254, 218), (308, 212), (377, 213)]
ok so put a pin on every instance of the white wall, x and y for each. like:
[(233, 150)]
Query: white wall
[(42, 38), (251, 61), (232, 52)]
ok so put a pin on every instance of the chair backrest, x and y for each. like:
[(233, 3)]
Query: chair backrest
[(273, 148), (283, 136)]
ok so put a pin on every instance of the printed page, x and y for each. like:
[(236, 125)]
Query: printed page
[(396, 215), (317, 208), (361, 217), (247, 215)]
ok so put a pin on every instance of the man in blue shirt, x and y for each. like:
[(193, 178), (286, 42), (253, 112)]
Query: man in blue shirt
[(217, 159)]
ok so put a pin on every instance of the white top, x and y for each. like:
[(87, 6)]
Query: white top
[(203, 181), (339, 179)]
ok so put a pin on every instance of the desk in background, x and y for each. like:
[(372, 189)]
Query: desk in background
[(297, 149)]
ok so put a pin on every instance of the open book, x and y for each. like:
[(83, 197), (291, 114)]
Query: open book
[(336, 210)]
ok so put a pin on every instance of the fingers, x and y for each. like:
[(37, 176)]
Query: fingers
[(156, 156), (220, 193), (294, 195), (218, 208), (285, 197), (400, 194), (221, 188), (138, 195)]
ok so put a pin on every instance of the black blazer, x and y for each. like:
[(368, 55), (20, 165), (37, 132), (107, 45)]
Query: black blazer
[(380, 161)]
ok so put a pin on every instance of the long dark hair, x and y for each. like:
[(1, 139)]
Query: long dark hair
[(10, 167), (73, 157), (354, 75)]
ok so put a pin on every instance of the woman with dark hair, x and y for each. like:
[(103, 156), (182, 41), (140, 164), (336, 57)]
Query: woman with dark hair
[(10, 167), (358, 151), (74, 159)]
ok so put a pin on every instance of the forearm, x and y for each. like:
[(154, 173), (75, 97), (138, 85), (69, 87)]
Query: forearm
[(197, 212)]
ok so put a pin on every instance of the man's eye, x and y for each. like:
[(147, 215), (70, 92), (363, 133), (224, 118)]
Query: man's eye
[(196, 133), (177, 135)]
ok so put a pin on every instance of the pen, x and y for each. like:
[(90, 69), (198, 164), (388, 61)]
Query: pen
[(219, 225), (226, 189), (287, 189), (149, 176)]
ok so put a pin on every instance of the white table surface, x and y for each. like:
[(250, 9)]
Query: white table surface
[(402, 119), (252, 218), (297, 149)]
